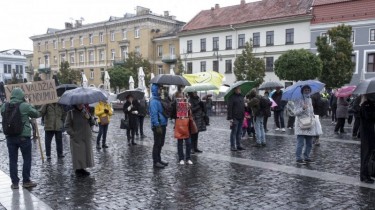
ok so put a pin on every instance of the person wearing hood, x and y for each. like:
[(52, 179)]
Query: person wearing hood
[(158, 125), (22, 141), (199, 112), (131, 111), (103, 111), (303, 109), (235, 115)]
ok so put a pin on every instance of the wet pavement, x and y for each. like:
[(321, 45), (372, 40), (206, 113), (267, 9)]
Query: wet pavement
[(257, 178)]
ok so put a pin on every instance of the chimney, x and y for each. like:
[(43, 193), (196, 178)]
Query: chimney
[(212, 9), (68, 25), (166, 13), (217, 6), (243, 2)]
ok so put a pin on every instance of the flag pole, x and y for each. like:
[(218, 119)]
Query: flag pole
[(39, 143)]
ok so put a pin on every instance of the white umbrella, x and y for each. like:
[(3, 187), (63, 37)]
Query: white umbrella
[(172, 88), (107, 84), (131, 83), (85, 82), (152, 75)]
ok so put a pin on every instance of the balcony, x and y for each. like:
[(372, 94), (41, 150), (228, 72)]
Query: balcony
[(44, 69), (169, 58), (118, 61)]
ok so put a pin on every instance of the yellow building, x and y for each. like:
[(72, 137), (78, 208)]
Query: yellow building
[(93, 48)]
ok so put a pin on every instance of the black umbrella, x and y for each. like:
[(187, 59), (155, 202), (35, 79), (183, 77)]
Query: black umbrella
[(64, 87), (270, 85), (365, 87), (135, 93), (169, 79)]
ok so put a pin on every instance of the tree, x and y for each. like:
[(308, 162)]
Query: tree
[(180, 67), (119, 76), (248, 67), (67, 75), (132, 64), (298, 65), (335, 51), (37, 77)]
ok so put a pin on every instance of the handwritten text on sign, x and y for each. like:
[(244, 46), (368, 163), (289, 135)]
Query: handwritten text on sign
[(43, 92)]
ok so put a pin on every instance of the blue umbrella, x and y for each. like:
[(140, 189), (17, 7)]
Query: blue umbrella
[(82, 95), (294, 92)]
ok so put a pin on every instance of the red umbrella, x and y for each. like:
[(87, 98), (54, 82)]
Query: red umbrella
[(345, 91)]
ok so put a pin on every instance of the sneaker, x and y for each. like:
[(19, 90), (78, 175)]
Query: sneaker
[(317, 142), (257, 145), (283, 129), (14, 186), (104, 146), (189, 162), (98, 146), (264, 144), (85, 173), (198, 151), (233, 149), (277, 129), (309, 161), (164, 163), (158, 165), (29, 184), (48, 157), (240, 148), (60, 156), (290, 128), (133, 143), (301, 162), (182, 162)]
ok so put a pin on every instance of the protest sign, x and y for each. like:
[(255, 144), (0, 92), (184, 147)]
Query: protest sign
[(42, 92)]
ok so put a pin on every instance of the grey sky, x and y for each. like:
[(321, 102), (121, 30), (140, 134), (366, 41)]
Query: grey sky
[(20, 19)]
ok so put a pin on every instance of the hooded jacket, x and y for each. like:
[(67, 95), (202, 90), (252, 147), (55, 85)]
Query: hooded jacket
[(54, 116), (156, 109), (27, 110), (99, 110)]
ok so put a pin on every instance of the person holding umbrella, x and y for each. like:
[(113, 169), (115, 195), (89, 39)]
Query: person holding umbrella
[(341, 114), (131, 110), (278, 111)]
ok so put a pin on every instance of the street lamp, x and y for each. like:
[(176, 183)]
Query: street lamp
[(217, 55)]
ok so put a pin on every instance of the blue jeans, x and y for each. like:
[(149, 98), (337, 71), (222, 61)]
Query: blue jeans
[(300, 143), (59, 144), (279, 118), (180, 148), (102, 131), (14, 143), (259, 130), (235, 134)]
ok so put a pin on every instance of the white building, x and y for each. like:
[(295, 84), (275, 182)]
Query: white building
[(13, 62), (214, 38)]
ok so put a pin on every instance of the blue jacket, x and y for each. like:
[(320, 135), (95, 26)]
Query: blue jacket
[(156, 109)]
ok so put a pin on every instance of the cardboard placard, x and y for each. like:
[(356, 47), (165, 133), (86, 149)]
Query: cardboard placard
[(182, 108), (42, 92)]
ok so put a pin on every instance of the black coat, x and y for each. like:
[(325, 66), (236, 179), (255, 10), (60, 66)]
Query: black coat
[(276, 96), (367, 116), (236, 107), (133, 118), (198, 109)]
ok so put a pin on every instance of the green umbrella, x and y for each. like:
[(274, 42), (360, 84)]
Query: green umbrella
[(245, 86), (200, 87)]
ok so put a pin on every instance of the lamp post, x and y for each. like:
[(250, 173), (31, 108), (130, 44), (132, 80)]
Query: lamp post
[(217, 55)]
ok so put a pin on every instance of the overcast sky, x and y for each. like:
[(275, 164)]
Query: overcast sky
[(20, 19)]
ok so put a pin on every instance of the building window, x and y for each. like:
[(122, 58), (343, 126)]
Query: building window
[(160, 69), (81, 57), (113, 54), (101, 37), (46, 45), (46, 60), (71, 42), (228, 66), (80, 40), (189, 68), (289, 36), (215, 65), (54, 59), (62, 58), (269, 38), (112, 36), (124, 34), (160, 50), (101, 55), (63, 43), (7, 68), (136, 32), (91, 73), (39, 61), (228, 42), (256, 39), (54, 44), (203, 66), (371, 62), (39, 46), (91, 38), (72, 60), (124, 52), (172, 49), (203, 45), (352, 37), (137, 50), (372, 35), (189, 46), (354, 61), (241, 40), (269, 63), (215, 43), (91, 56)]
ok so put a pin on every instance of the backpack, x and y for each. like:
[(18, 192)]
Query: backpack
[(11, 119), (265, 106), (167, 108)]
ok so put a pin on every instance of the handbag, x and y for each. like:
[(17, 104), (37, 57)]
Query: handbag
[(124, 124), (104, 120), (318, 125), (371, 164), (181, 128), (305, 122)]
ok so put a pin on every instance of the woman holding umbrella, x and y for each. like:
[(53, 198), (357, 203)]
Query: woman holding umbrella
[(131, 109)]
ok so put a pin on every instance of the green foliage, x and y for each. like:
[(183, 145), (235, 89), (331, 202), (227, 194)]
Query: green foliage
[(248, 67), (132, 64), (37, 77), (338, 67), (120, 76), (180, 69), (298, 65), (67, 75)]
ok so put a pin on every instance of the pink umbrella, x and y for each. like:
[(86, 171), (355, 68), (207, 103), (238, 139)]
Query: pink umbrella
[(345, 91), (273, 102)]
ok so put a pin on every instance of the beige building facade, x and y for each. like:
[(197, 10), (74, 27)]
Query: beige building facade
[(93, 48)]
